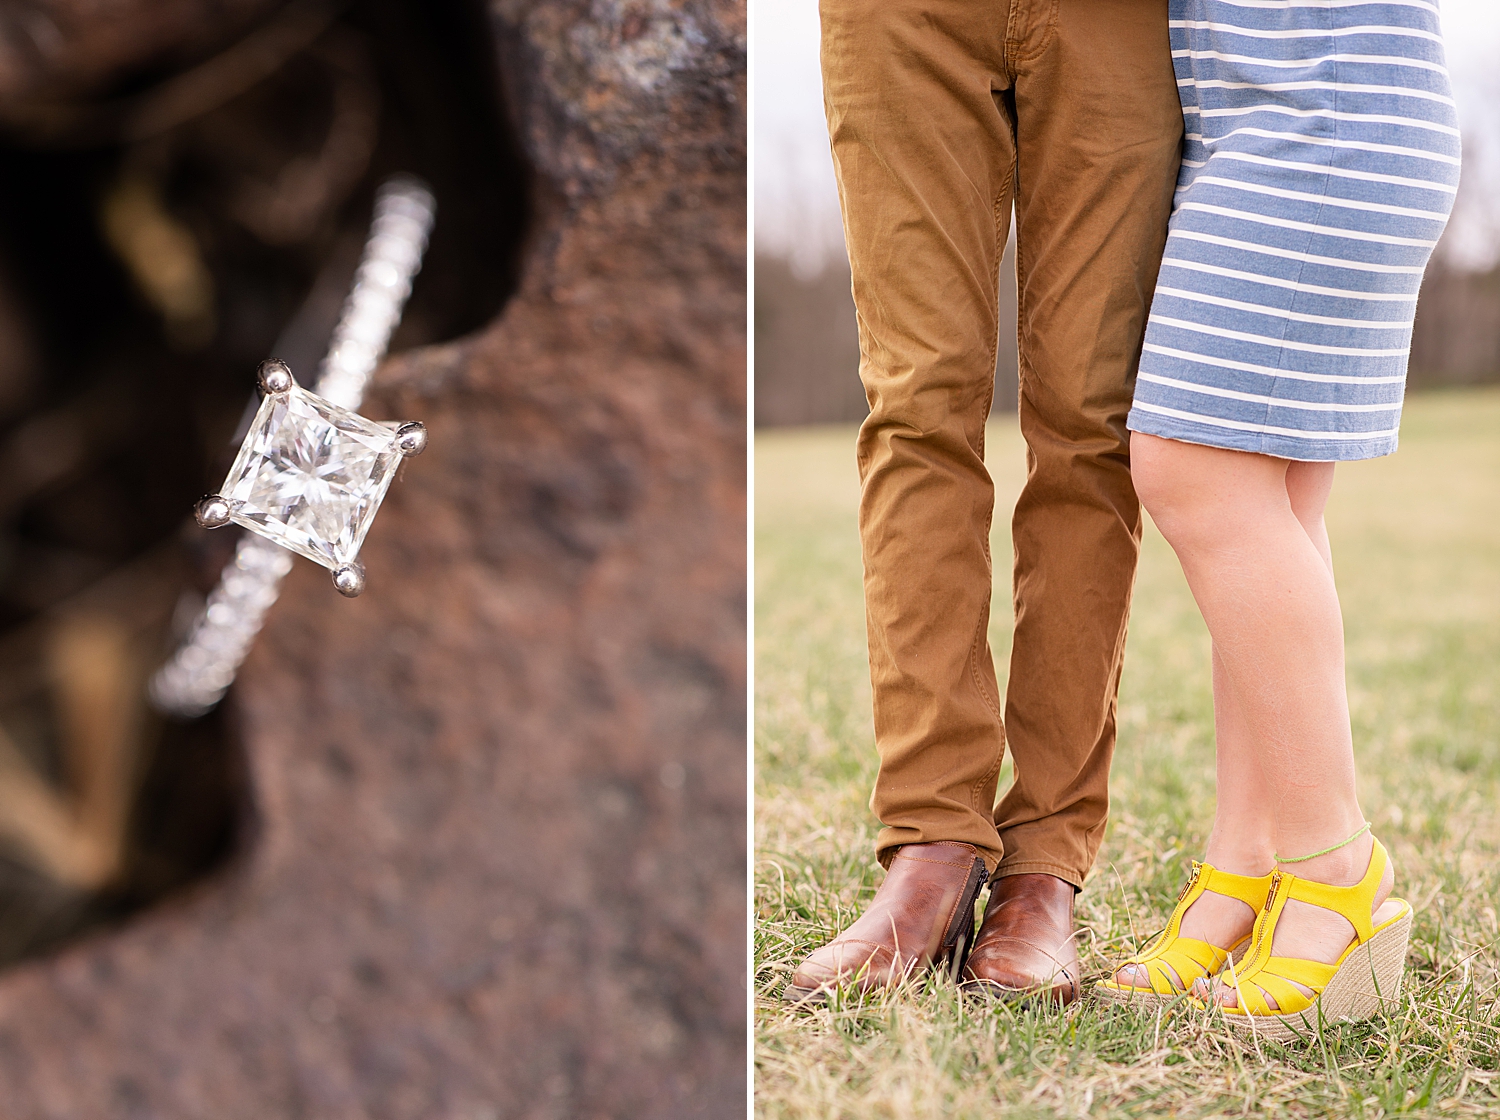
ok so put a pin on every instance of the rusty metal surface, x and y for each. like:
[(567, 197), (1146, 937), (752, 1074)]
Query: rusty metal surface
[(498, 868)]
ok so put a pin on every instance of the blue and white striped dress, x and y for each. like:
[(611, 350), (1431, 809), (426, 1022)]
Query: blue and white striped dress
[(1319, 168)]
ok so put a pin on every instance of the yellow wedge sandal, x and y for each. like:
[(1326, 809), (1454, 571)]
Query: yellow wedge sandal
[(1169, 952), (1366, 977)]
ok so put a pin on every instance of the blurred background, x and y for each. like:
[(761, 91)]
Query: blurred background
[(169, 218), (806, 345)]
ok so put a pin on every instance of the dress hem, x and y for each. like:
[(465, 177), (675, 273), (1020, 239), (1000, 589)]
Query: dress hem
[(1259, 443)]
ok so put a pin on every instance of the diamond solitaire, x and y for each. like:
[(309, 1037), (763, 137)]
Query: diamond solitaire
[(310, 475)]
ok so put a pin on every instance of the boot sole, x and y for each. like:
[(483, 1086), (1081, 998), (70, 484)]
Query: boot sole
[(1138, 997), (1366, 983), (814, 996), (991, 992), (817, 997)]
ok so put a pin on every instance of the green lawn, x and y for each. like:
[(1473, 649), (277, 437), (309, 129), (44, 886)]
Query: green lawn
[(1417, 549)]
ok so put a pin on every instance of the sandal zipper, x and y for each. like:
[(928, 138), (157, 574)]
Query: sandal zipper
[(1193, 878)]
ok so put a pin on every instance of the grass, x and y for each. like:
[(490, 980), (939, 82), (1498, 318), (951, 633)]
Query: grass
[(1417, 549)]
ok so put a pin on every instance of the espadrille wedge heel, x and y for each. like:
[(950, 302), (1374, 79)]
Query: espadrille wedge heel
[(1362, 981), (1172, 962)]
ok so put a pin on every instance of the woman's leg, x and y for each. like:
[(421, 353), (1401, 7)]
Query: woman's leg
[(1248, 531), (1240, 842)]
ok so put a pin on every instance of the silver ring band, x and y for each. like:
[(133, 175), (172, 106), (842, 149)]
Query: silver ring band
[(198, 674)]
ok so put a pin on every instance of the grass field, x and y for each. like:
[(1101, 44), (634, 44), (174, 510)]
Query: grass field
[(1417, 549)]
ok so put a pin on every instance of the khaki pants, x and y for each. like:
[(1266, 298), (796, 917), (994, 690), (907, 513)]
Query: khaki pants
[(942, 113)]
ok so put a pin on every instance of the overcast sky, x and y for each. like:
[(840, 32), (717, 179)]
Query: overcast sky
[(796, 209)]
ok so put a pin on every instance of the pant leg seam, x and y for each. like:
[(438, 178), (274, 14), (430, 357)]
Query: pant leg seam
[(993, 704), (1022, 360)]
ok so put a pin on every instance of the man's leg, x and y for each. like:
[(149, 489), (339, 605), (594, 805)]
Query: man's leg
[(924, 149), (1099, 129), (924, 153)]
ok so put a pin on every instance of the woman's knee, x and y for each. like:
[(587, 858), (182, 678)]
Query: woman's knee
[(1157, 468), (1201, 495)]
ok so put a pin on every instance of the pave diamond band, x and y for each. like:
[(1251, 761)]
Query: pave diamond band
[(203, 668), (398, 238), (311, 472)]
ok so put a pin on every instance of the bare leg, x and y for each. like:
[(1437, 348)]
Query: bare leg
[(1248, 530), (1241, 840)]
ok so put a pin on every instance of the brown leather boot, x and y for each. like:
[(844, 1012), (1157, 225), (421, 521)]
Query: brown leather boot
[(1026, 947), (922, 914)]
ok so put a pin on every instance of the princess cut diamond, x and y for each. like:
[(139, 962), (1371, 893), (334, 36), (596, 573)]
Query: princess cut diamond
[(310, 476)]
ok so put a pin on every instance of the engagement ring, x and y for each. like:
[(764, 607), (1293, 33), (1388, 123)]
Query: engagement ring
[(311, 472), (311, 475)]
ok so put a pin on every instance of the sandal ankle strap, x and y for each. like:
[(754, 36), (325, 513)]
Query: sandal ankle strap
[(1249, 889), (1354, 903)]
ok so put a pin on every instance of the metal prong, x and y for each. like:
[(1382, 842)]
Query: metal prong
[(275, 377), (349, 579), (212, 511), (412, 438)]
